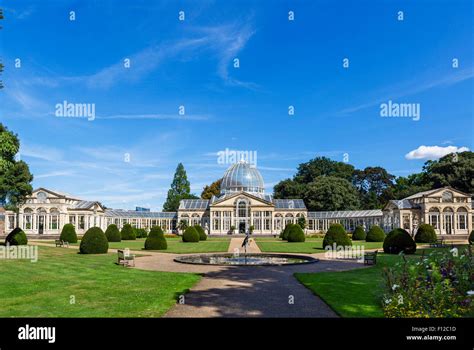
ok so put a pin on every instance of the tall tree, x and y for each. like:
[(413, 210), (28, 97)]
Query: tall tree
[(331, 193), (180, 189), (213, 189), (15, 176), (455, 169), (289, 189), (374, 185), (407, 186), (322, 166)]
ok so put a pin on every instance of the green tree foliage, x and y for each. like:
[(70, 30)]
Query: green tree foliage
[(289, 189), (302, 222), (200, 231), (213, 189), (331, 193), (190, 235), (471, 238), (399, 240), (336, 235), (375, 234), (15, 176), (156, 239), (374, 185), (16, 237), (128, 233), (322, 166), (68, 234), (359, 234), (180, 189), (425, 234), (455, 170), (296, 234), (113, 234), (407, 186)]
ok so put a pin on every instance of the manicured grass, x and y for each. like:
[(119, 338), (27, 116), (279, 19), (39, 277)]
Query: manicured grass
[(354, 293), (176, 246), (100, 287), (311, 245)]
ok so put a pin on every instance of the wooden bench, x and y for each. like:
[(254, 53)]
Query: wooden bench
[(370, 258), (125, 258), (60, 243)]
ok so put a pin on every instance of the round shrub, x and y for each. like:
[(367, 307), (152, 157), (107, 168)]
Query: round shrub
[(471, 237), (285, 232), (68, 234), (336, 234), (141, 233), (201, 232), (397, 241), (425, 234), (359, 234), (296, 234), (375, 234), (94, 242), (128, 233), (16, 237), (113, 234), (190, 235), (156, 239)]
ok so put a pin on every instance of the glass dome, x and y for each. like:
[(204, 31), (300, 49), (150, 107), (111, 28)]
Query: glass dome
[(242, 177)]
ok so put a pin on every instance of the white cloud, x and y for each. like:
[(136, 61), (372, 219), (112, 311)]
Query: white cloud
[(433, 152)]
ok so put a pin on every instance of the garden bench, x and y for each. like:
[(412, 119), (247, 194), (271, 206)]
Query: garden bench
[(370, 258), (61, 243), (125, 258)]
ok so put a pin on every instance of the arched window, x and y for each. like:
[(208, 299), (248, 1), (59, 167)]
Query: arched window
[(54, 219), (195, 219), (242, 209), (27, 219)]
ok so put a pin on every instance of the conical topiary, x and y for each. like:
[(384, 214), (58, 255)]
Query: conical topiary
[(201, 233), (113, 234), (68, 234), (128, 233), (336, 235), (94, 242), (359, 234), (16, 237), (397, 241), (425, 234), (156, 239), (190, 235), (375, 234)]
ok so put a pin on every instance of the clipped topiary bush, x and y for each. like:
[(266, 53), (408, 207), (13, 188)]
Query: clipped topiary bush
[(141, 233), (94, 242), (16, 237), (471, 237), (190, 235), (201, 232), (128, 233), (156, 239), (399, 240), (359, 234), (375, 234), (425, 234), (336, 234), (68, 234), (285, 232), (296, 234), (113, 234)]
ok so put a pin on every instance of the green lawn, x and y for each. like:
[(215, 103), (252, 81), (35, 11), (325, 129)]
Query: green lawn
[(100, 287), (354, 293), (311, 245), (175, 245)]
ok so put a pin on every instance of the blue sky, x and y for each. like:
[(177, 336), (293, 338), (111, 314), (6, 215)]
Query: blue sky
[(190, 63)]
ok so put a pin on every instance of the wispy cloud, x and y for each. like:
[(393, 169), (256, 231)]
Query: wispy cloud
[(156, 116), (415, 87)]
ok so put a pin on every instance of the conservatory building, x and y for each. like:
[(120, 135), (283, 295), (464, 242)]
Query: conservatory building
[(242, 206)]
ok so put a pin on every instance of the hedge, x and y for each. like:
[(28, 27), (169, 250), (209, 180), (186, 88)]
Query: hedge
[(128, 233), (201, 232), (336, 234), (190, 235), (285, 232), (425, 234), (399, 240), (156, 239), (471, 237), (113, 234), (296, 234), (359, 234), (68, 234), (375, 234), (94, 242), (141, 233), (16, 237)]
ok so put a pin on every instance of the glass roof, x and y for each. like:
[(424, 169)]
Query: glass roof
[(194, 204), (139, 214), (289, 204), (344, 214), (242, 177)]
